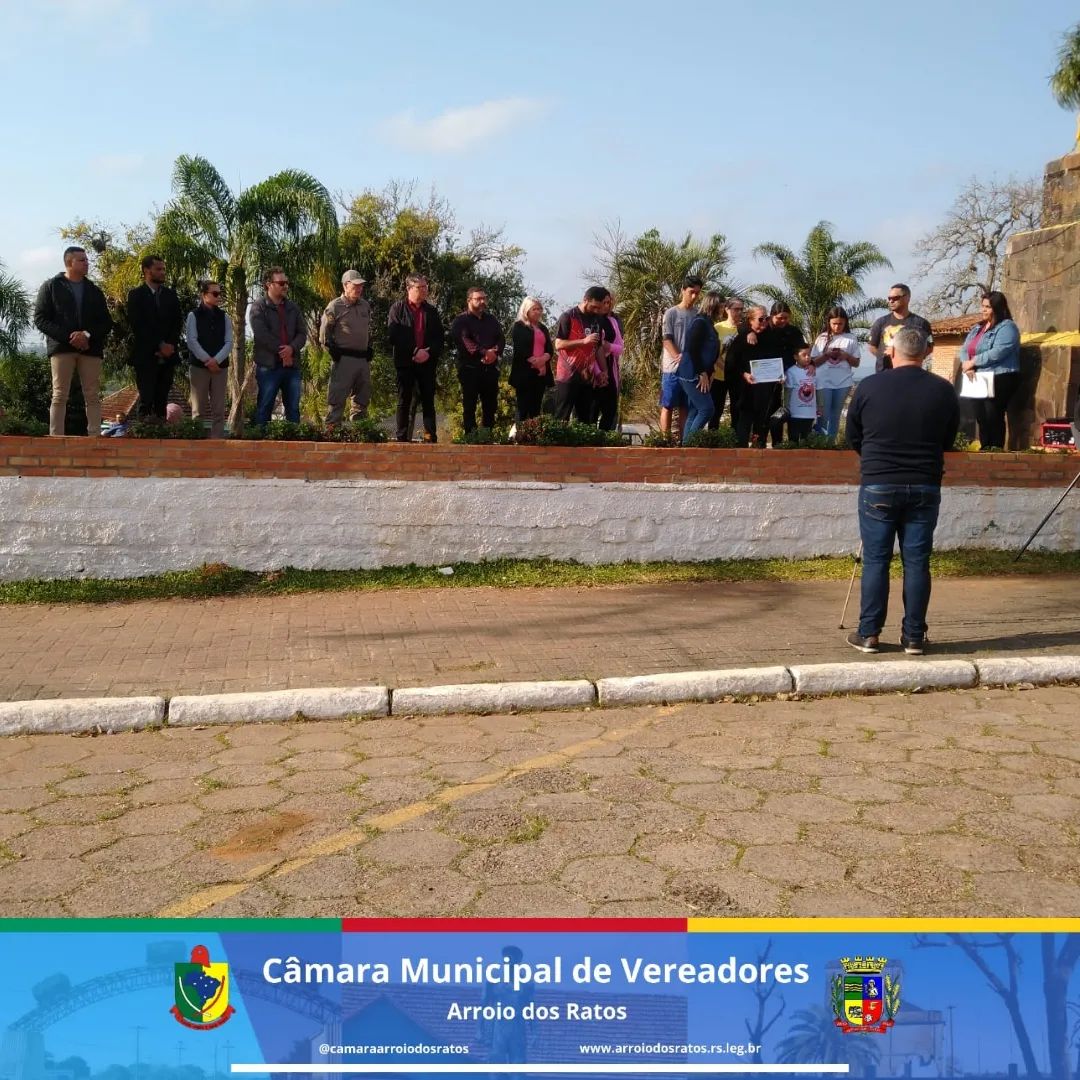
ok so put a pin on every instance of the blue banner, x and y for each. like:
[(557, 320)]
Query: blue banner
[(206, 1002)]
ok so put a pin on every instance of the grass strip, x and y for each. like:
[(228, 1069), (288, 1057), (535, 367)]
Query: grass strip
[(214, 580)]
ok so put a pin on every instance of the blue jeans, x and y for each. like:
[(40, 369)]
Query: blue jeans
[(832, 405), (270, 382), (701, 407), (888, 511)]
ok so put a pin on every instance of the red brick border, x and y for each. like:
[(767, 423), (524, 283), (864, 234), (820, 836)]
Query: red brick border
[(21, 456)]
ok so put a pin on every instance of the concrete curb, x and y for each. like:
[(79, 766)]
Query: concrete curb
[(73, 715), (328, 704), (893, 675), (66, 716), (1039, 670), (692, 685), (492, 697)]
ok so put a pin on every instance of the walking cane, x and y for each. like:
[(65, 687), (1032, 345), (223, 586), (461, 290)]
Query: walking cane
[(851, 584), (1047, 518)]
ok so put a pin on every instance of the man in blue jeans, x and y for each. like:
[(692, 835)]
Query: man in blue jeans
[(900, 423), (278, 333)]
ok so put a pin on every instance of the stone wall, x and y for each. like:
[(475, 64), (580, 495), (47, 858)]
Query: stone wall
[(123, 508), (1041, 278)]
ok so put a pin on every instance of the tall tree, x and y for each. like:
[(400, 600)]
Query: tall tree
[(825, 272), (1058, 965), (208, 231), (646, 276), (965, 254), (814, 1038), (1065, 80), (15, 312)]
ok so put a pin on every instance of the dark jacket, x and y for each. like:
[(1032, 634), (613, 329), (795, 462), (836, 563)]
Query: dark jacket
[(153, 322), (473, 336), (56, 316), (522, 373), (402, 334), (701, 349), (789, 341), (266, 332), (740, 352)]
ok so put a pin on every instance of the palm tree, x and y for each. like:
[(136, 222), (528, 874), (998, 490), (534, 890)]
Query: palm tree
[(14, 313), (826, 272), (814, 1038), (646, 276), (1065, 82), (208, 231)]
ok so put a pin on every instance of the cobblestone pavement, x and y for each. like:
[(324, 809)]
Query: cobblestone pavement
[(431, 636), (948, 804)]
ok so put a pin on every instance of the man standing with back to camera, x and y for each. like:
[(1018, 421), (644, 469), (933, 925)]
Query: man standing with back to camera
[(900, 423)]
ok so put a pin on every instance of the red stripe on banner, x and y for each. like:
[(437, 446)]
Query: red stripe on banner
[(514, 926)]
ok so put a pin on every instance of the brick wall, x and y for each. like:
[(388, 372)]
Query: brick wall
[(101, 458)]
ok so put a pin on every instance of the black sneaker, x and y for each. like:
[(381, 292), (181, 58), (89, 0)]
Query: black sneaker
[(863, 644), (913, 646)]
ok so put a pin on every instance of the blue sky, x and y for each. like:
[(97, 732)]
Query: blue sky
[(542, 119)]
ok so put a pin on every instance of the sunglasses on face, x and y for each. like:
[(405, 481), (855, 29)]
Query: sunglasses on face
[(283, 283), (214, 292), (895, 299)]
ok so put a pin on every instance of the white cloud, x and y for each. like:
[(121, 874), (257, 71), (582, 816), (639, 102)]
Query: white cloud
[(117, 164), (456, 130)]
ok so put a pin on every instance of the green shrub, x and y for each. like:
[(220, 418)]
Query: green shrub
[(479, 436), (285, 431), (723, 438), (18, 425), (659, 440), (547, 431), (151, 427), (364, 429), (813, 442)]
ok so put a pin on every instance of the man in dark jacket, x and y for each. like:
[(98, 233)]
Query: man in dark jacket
[(900, 423), (416, 339), (278, 333), (72, 313), (156, 321), (479, 341)]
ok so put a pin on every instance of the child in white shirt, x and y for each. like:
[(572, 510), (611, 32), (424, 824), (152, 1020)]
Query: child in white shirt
[(800, 396)]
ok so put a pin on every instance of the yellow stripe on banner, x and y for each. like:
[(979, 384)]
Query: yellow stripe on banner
[(883, 926), (1069, 339)]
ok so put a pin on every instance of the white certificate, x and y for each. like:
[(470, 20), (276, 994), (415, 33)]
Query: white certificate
[(771, 370), (982, 386)]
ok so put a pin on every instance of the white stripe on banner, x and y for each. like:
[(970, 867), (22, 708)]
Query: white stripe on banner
[(542, 1070)]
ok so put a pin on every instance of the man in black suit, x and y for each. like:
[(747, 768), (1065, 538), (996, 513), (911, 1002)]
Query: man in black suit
[(156, 319)]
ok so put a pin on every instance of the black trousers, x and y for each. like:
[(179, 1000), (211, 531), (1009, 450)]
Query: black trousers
[(756, 406), (419, 378), (718, 391), (479, 383), (990, 412), (797, 429), (530, 399), (575, 396), (153, 381), (605, 411)]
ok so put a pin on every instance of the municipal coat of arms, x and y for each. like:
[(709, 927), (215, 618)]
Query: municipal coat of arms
[(865, 998), (202, 992)]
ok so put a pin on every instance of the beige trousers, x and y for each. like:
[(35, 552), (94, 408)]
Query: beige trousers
[(208, 397), (64, 366)]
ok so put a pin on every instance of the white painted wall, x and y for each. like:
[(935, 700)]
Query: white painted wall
[(56, 527)]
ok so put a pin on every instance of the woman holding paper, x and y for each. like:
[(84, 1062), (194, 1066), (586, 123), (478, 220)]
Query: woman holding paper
[(990, 362), (836, 353), (754, 358)]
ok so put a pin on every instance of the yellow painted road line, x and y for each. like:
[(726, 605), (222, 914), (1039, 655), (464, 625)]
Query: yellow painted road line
[(360, 834)]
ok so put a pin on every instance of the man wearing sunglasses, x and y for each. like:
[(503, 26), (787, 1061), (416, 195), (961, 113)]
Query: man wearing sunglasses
[(278, 334), (888, 326)]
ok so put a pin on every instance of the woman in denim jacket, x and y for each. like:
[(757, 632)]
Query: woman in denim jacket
[(993, 346)]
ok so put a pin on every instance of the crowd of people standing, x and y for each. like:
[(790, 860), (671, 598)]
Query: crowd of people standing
[(716, 353)]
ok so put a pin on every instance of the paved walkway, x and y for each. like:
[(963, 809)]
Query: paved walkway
[(949, 804), (433, 636)]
